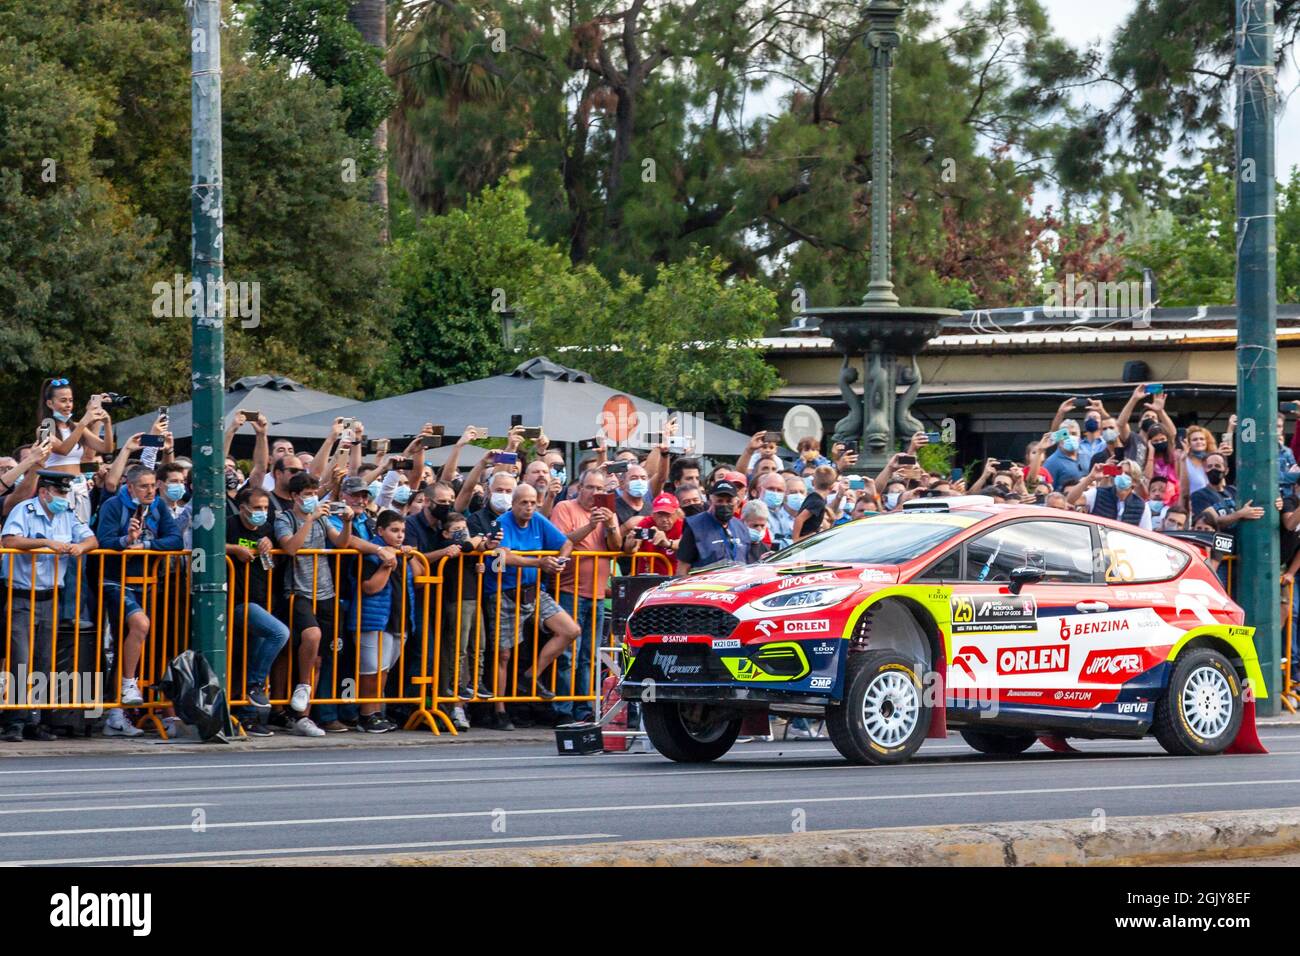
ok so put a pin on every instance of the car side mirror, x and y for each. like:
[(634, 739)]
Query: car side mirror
[(1027, 575)]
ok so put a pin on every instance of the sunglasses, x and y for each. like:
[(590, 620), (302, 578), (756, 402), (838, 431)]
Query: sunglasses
[(59, 382)]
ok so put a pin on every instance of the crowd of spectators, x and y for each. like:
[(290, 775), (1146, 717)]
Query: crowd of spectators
[(73, 490)]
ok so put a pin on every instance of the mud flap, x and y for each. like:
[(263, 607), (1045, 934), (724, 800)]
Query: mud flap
[(756, 724), (1247, 740), (1057, 743)]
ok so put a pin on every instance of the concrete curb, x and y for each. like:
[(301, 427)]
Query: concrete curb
[(1117, 841)]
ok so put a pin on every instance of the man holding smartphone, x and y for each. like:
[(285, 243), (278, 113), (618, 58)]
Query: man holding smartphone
[(583, 584)]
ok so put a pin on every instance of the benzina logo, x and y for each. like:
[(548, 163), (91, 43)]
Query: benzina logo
[(1098, 627), (1033, 660), (1112, 667)]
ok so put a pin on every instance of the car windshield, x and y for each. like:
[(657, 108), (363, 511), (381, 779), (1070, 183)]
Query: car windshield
[(885, 539)]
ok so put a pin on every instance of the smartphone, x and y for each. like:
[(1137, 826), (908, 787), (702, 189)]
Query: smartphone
[(532, 432), (907, 459), (141, 512), (654, 438), (1180, 434), (45, 432), (1112, 471), (604, 500), (151, 441), (1154, 389), (89, 467), (1289, 408), (339, 508), (403, 464), (851, 446), (430, 441), (1080, 404), (957, 474), (617, 467), (162, 411), (679, 443), (1061, 434), (438, 429), (857, 481), (997, 465), (644, 534), (250, 414), (504, 458), (516, 420), (772, 438), (589, 444), (378, 446), (934, 437)]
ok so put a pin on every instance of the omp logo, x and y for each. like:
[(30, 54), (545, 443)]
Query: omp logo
[(75, 909), (820, 683), (1033, 660), (667, 663), (1108, 667), (816, 626), (963, 610), (1132, 708)]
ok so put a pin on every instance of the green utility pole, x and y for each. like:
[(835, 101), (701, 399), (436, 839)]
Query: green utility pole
[(208, 624), (883, 39), (1258, 569)]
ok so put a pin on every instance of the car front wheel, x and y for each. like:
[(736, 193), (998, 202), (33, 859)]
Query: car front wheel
[(883, 718), (690, 733)]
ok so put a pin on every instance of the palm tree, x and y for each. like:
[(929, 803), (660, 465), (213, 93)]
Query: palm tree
[(370, 17)]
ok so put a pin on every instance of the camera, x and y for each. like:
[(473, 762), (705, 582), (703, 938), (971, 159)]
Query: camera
[(644, 534), (115, 398)]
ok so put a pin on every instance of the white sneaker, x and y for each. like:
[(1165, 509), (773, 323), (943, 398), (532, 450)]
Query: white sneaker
[(116, 725), (305, 727), (175, 728), (458, 718), (301, 698), (131, 692)]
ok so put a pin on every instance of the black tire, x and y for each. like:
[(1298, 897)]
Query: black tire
[(846, 721), (683, 732), (1172, 726), (1003, 745)]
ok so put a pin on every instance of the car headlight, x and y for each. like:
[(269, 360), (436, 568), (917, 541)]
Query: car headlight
[(805, 599)]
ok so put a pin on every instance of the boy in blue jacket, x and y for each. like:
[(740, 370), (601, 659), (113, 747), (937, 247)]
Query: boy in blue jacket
[(387, 616), (134, 519)]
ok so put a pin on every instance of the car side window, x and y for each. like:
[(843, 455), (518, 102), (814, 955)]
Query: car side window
[(1063, 549), (1128, 558), (947, 568)]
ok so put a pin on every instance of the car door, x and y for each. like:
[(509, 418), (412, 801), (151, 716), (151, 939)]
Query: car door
[(1148, 606), (1016, 647)]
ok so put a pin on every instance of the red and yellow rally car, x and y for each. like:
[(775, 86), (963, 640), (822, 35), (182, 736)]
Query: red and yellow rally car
[(1007, 623)]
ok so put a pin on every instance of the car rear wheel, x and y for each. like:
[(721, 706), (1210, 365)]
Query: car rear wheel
[(690, 733), (883, 718), (1201, 710), (1000, 744)]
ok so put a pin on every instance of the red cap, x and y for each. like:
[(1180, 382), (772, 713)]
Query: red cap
[(736, 478), (665, 502)]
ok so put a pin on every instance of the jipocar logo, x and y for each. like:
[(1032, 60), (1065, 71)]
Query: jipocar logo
[(1112, 667)]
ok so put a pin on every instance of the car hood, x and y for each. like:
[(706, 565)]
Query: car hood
[(734, 587)]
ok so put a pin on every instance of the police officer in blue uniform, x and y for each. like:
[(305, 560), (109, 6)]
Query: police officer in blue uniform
[(714, 536), (45, 522)]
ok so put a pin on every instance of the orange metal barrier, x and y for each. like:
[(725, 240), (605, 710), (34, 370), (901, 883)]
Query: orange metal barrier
[(78, 644), (1290, 696), (471, 643)]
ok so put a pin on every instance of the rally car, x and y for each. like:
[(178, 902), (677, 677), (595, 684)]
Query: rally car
[(1007, 623)]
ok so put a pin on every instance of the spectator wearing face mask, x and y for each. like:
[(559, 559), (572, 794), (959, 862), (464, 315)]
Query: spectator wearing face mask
[(659, 533), (893, 496), (691, 500), (483, 523), (1220, 497), (810, 457), (1118, 497), (1068, 463), (770, 489), (1092, 443), (716, 535), (812, 516), (1174, 519), (1156, 488), (755, 517), (171, 480), (1162, 459)]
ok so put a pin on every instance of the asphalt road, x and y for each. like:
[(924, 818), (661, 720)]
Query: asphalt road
[(233, 805)]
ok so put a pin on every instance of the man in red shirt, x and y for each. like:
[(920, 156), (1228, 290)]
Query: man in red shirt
[(658, 533)]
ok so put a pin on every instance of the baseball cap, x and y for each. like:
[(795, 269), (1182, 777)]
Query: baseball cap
[(665, 502), (723, 488), (354, 485), (736, 478)]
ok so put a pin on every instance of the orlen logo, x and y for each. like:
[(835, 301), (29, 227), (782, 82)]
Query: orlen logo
[(1112, 667), (1033, 660)]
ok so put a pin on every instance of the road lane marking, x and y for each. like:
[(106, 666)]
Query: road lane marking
[(628, 808), (232, 854), (126, 806), (1048, 760)]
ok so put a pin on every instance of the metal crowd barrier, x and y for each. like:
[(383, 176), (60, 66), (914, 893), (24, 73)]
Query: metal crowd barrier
[(79, 643)]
